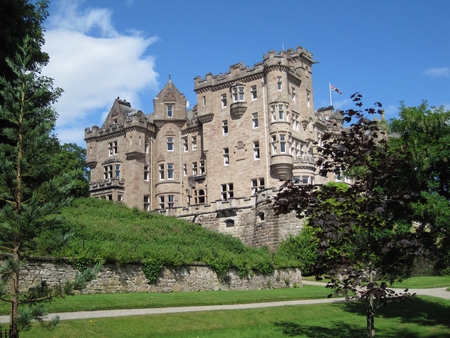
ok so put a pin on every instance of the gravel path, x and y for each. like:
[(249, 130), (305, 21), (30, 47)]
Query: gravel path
[(437, 292)]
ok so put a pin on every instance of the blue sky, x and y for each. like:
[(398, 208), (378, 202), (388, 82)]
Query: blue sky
[(388, 50)]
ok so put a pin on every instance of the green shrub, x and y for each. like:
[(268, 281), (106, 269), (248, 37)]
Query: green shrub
[(302, 248)]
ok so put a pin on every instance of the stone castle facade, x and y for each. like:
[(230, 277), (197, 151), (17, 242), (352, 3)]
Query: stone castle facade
[(218, 163)]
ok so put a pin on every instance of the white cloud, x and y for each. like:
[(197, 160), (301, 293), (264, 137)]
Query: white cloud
[(94, 70), (437, 72), (391, 111)]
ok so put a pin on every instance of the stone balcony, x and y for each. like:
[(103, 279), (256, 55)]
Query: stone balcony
[(237, 109)]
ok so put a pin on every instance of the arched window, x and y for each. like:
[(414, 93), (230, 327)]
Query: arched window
[(229, 223)]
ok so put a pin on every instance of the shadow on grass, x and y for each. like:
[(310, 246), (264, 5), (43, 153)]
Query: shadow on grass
[(336, 330), (342, 330), (424, 312)]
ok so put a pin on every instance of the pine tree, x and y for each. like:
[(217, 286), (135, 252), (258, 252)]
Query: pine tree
[(30, 199)]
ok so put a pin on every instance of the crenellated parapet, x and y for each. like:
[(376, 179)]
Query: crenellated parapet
[(288, 61)]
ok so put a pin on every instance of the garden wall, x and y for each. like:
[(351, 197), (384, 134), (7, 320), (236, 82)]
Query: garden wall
[(130, 278)]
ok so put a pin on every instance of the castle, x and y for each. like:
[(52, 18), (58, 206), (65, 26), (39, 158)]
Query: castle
[(216, 165)]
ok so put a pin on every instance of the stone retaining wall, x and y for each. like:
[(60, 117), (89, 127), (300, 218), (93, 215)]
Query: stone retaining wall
[(130, 278)]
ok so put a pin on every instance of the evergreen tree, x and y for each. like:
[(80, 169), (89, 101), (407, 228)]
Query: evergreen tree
[(31, 199)]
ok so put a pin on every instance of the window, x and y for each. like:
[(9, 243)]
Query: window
[(117, 170), (169, 110), (274, 145), (90, 150), (225, 127), (170, 144), (282, 143), (131, 140), (115, 121), (185, 144), (170, 201), (119, 198), (146, 173), (112, 148), (238, 94), (199, 196), (279, 83), (305, 179), (226, 156), (256, 150), (308, 97), (161, 202), (255, 120), (257, 184), (229, 223), (202, 167), (194, 168), (107, 172), (147, 203), (194, 142), (293, 94), (297, 149), (227, 191), (170, 171), (280, 112), (254, 92), (295, 122), (204, 100), (185, 169), (272, 112), (161, 172), (224, 100), (146, 146)]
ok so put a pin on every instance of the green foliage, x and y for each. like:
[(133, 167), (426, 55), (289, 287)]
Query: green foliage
[(152, 268), (426, 133), (18, 19), (70, 159), (303, 248)]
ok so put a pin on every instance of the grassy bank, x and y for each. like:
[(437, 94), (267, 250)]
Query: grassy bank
[(112, 232)]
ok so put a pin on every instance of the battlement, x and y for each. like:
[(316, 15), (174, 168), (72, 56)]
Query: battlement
[(299, 52), (241, 72)]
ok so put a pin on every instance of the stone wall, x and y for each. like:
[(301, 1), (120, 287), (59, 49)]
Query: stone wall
[(130, 278)]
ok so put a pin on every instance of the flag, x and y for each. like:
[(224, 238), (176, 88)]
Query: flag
[(335, 89)]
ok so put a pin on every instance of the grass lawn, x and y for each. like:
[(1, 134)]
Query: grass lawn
[(155, 300), (424, 317), (413, 282), (424, 282)]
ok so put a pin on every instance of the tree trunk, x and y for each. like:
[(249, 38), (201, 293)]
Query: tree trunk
[(370, 319), (14, 330)]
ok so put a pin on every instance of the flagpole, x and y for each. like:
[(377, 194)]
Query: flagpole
[(329, 89)]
